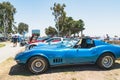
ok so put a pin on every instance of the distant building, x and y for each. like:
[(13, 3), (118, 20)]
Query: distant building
[(36, 32)]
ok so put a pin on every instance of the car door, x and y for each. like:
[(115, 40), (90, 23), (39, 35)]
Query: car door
[(85, 55), (70, 56), (80, 55), (87, 52)]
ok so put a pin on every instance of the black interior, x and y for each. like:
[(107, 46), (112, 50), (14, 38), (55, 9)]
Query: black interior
[(84, 43)]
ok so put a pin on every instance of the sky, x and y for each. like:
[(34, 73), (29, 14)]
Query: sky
[(101, 17)]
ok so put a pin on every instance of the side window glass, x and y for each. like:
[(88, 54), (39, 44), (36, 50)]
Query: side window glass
[(89, 41)]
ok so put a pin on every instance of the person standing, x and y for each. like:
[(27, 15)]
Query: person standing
[(15, 38), (107, 37)]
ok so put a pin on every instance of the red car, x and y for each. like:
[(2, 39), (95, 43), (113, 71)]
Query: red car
[(35, 39)]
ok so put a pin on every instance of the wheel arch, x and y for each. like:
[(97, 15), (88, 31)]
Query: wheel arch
[(39, 56), (107, 52)]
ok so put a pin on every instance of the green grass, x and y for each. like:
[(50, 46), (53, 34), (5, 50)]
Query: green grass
[(2, 45)]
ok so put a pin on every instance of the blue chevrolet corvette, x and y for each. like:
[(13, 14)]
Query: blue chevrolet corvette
[(85, 51)]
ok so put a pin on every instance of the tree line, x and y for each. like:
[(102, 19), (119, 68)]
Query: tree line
[(7, 23), (64, 25)]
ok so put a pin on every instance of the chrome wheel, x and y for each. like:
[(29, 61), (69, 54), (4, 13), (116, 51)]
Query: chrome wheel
[(38, 65), (107, 61)]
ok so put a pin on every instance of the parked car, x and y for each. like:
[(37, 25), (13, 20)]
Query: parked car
[(54, 40), (35, 39), (85, 51), (23, 42), (60, 44)]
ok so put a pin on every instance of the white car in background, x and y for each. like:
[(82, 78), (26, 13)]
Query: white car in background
[(54, 40)]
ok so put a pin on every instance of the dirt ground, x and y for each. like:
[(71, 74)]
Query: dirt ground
[(9, 70)]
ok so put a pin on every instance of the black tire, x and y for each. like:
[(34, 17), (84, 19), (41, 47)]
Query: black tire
[(106, 61), (37, 65), (31, 46)]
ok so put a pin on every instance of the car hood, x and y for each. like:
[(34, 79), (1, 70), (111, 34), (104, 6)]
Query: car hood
[(45, 50)]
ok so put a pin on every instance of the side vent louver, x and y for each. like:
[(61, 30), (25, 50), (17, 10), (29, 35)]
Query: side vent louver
[(57, 60)]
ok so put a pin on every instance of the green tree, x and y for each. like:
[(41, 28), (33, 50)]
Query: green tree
[(7, 11), (66, 26), (22, 27), (78, 26), (50, 31), (81, 25), (59, 13), (15, 28), (72, 27)]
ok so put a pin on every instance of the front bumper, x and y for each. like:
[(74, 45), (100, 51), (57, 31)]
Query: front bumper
[(20, 58)]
